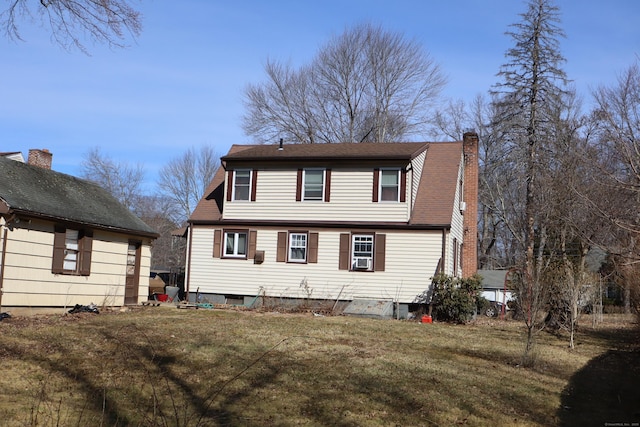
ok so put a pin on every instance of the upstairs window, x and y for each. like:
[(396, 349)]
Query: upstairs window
[(313, 184), (389, 185), (241, 184)]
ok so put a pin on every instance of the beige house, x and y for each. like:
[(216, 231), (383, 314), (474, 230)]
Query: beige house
[(335, 221), (65, 241)]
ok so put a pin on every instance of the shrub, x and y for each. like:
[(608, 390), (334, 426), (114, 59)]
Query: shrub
[(455, 299)]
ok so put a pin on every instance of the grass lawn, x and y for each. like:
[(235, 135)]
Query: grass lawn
[(161, 366)]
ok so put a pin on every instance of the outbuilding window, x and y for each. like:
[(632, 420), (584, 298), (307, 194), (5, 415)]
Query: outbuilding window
[(72, 251)]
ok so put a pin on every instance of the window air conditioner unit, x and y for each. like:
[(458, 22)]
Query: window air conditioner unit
[(463, 206), (362, 263)]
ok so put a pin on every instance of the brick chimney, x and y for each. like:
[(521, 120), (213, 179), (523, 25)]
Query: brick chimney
[(40, 158), (470, 197)]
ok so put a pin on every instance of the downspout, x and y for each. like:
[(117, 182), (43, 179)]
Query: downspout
[(187, 271), (443, 256), (3, 251), (409, 188)]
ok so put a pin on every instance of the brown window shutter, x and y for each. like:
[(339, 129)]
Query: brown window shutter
[(253, 234), (281, 254), (403, 185), (376, 177), (229, 185), (379, 260), (343, 263), (217, 241), (312, 256), (327, 185), (59, 246), (86, 246), (254, 181), (299, 186)]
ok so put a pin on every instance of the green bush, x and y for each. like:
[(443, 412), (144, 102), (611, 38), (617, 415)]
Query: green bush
[(455, 299)]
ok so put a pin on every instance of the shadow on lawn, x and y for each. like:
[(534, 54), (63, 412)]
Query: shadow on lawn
[(606, 391)]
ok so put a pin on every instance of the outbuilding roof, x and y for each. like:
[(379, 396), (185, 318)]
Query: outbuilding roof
[(33, 191)]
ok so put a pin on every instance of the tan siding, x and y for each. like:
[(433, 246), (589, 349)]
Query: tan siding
[(28, 280), (416, 172), (411, 260), (350, 200)]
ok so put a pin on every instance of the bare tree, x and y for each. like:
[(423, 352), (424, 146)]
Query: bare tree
[(617, 129), (364, 85), (104, 21), (529, 94), (615, 149), (122, 180), (184, 180), (574, 227), (168, 250)]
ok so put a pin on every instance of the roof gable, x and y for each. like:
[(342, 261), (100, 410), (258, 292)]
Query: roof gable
[(437, 189), (35, 191), (209, 208)]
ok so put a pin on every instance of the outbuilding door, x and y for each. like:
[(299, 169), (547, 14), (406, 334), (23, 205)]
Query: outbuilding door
[(133, 273)]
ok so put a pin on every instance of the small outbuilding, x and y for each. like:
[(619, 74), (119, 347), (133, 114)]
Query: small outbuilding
[(66, 241)]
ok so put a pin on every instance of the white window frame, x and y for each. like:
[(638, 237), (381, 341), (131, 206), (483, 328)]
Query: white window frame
[(356, 241), (131, 258), (304, 185), (235, 253), (71, 250), (381, 185), (294, 243), (234, 197)]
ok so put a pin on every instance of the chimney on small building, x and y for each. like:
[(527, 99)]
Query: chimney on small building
[(40, 158), (470, 142)]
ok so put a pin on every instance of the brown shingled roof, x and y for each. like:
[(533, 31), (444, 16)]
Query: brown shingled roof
[(436, 193), (36, 192), (343, 151)]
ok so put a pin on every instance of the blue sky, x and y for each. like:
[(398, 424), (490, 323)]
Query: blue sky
[(180, 84)]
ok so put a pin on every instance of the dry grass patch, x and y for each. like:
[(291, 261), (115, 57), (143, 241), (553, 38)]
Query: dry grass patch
[(157, 366)]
